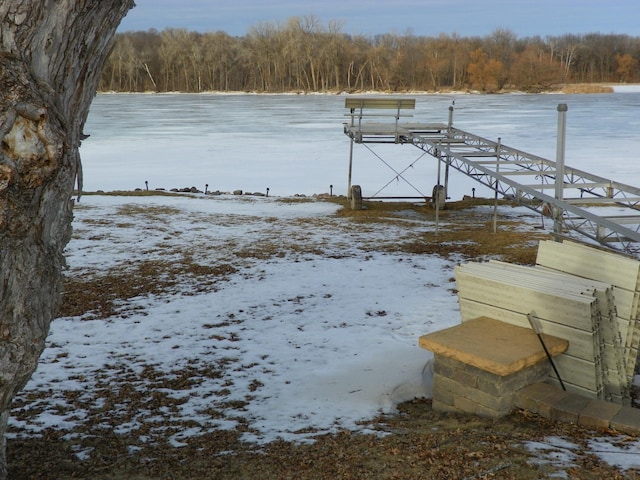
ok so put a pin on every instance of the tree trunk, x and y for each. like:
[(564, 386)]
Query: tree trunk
[(51, 56)]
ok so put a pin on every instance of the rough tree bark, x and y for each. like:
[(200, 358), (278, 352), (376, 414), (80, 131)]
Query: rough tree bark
[(51, 55)]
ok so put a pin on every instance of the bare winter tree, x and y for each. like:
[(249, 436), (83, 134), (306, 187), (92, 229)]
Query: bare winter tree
[(51, 56)]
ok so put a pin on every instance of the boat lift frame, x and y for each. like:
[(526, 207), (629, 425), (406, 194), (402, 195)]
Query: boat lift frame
[(362, 131), (519, 176)]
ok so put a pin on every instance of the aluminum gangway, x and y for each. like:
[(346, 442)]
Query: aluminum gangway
[(597, 209)]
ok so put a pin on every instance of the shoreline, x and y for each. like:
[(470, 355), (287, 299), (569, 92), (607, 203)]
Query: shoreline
[(568, 89)]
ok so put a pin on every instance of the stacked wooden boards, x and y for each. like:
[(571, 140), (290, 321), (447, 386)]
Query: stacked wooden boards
[(568, 299)]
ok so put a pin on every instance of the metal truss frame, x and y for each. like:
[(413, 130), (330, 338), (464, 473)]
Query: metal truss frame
[(524, 178)]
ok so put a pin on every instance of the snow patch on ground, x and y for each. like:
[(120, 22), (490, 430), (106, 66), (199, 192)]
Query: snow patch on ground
[(319, 339)]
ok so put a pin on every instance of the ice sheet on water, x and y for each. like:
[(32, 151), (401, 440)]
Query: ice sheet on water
[(295, 143)]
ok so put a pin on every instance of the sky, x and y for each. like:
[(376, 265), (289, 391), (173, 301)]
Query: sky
[(525, 18)]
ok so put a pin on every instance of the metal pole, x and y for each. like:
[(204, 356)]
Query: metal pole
[(559, 191), (537, 331), (446, 177), (351, 153), (350, 167), (448, 160), (497, 186), (436, 194)]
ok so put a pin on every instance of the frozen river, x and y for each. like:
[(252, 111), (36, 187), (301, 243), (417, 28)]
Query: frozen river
[(294, 144)]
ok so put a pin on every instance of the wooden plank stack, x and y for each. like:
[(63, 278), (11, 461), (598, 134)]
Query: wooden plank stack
[(574, 292)]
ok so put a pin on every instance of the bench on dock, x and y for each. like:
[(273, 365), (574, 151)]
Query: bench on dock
[(369, 107)]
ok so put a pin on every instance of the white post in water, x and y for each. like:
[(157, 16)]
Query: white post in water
[(562, 134)]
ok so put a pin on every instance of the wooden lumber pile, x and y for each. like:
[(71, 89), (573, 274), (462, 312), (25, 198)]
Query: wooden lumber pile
[(568, 300)]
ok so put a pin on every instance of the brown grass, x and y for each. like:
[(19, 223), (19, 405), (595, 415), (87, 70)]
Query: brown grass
[(418, 443), (463, 231)]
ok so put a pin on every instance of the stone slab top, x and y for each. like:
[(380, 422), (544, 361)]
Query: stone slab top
[(492, 345)]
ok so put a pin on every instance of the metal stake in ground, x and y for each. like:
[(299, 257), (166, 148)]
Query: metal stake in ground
[(535, 328)]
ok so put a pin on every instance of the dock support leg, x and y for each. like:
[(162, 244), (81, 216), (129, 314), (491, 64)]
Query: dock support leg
[(497, 187), (559, 190), (350, 168)]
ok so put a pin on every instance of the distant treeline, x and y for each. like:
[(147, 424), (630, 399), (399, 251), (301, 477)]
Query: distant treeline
[(303, 55)]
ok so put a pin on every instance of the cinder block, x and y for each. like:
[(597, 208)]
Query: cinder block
[(492, 385), (447, 385), (466, 377), (568, 408), (524, 402), (534, 374), (485, 412), (442, 389), (470, 389), (456, 370), (497, 385), (464, 404), (538, 398), (501, 403), (443, 407), (598, 413), (627, 420), (443, 366)]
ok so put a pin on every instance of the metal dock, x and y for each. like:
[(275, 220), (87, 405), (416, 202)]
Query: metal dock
[(599, 209)]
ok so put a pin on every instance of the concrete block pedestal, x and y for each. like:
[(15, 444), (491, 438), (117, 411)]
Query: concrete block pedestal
[(458, 387), (480, 364)]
